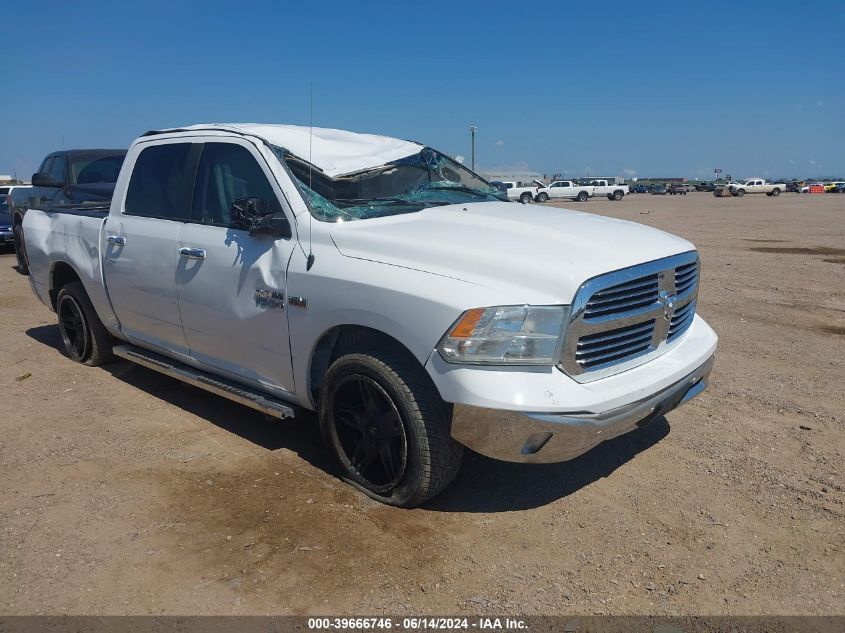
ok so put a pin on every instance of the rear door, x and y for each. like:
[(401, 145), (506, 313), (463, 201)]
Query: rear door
[(231, 285), (140, 245)]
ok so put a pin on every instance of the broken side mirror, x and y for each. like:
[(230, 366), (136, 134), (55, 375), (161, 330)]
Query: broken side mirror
[(260, 216)]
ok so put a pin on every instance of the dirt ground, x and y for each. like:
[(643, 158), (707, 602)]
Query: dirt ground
[(125, 492)]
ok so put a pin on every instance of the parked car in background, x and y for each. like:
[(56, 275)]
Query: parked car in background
[(10, 197), (793, 187), (806, 188), (68, 177), (567, 189), (832, 185), (6, 234), (658, 190), (526, 193), (756, 185), (839, 188), (382, 285), (639, 189), (704, 186), (677, 190)]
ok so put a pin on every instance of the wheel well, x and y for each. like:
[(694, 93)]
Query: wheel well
[(336, 341), (61, 275)]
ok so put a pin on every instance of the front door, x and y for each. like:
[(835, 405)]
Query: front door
[(140, 246), (231, 285)]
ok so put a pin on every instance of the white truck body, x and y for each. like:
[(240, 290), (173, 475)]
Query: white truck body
[(524, 193), (609, 189), (569, 190), (756, 185), (268, 312)]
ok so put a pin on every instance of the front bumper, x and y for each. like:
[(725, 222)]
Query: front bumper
[(555, 437), (7, 236)]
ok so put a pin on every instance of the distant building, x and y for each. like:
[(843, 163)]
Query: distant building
[(511, 175), (662, 181)]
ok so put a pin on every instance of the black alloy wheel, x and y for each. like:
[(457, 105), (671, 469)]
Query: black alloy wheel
[(73, 327), (368, 433)]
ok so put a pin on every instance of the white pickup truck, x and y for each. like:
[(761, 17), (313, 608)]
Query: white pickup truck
[(569, 190), (606, 188), (535, 192), (756, 185), (384, 286)]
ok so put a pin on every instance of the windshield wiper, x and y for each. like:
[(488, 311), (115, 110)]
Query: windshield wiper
[(354, 202)]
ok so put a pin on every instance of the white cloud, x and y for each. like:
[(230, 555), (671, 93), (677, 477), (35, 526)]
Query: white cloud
[(499, 143), (630, 173), (813, 163)]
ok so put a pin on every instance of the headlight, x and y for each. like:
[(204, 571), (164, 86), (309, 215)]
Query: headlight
[(506, 335)]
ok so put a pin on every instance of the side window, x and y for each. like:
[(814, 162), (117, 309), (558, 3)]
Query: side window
[(46, 165), (57, 170), (160, 185), (227, 172)]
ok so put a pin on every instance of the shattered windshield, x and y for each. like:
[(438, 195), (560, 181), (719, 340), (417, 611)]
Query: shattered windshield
[(423, 180)]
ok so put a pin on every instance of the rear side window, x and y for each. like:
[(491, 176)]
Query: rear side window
[(227, 172), (160, 184)]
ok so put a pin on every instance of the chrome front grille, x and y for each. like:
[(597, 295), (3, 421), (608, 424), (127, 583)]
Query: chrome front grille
[(606, 347), (626, 317), (621, 298)]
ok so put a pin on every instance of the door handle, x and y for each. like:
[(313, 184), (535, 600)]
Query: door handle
[(192, 253), (117, 240)]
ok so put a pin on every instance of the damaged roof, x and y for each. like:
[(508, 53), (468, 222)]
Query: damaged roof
[(334, 152)]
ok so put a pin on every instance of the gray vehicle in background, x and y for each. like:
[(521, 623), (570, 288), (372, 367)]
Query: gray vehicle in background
[(67, 177)]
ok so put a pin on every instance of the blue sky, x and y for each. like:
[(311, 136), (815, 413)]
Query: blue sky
[(636, 88)]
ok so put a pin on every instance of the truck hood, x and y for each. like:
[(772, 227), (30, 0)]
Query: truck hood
[(535, 255)]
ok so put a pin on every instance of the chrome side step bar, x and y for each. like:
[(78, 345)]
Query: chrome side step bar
[(198, 378)]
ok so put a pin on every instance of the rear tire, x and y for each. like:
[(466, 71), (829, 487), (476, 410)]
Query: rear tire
[(85, 338), (542, 197), (582, 197), (775, 192), (617, 195), (20, 249), (525, 198), (739, 193), (386, 426)]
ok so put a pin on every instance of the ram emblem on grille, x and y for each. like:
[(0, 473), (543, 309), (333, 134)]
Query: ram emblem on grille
[(668, 300)]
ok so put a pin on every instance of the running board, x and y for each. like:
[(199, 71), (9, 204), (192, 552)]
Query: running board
[(198, 378)]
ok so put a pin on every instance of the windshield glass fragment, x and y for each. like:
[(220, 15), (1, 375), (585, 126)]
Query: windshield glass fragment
[(423, 180)]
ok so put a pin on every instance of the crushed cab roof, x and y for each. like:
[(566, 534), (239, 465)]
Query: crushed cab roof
[(334, 152)]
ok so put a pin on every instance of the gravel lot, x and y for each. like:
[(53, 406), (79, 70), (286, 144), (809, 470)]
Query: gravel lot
[(125, 492)]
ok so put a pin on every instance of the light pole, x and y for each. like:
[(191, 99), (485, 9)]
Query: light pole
[(472, 135)]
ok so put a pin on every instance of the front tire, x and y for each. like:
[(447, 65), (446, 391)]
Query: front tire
[(739, 193), (85, 338), (543, 197), (387, 427)]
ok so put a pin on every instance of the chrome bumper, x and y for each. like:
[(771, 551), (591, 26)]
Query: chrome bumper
[(538, 438)]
